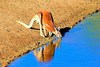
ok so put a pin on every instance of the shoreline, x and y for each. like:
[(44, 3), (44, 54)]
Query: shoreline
[(12, 47), (52, 38)]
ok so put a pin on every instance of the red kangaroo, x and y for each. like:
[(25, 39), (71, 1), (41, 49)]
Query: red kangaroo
[(45, 20)]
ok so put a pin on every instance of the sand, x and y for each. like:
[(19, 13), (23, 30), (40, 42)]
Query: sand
[(16, 40)]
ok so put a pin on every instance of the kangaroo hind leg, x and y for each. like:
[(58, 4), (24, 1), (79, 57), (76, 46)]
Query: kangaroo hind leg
[(39, 20)]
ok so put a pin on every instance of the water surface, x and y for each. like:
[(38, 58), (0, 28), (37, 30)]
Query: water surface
[(80, 47)]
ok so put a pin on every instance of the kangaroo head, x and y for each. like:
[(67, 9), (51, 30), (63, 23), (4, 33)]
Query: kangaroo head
[(57, 32)]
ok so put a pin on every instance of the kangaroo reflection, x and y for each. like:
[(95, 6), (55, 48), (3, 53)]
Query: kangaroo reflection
[(46, 53)]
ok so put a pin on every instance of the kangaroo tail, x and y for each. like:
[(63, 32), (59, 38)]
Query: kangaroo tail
[(25, 25)]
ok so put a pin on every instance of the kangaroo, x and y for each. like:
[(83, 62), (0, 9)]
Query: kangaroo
[(45, 20)]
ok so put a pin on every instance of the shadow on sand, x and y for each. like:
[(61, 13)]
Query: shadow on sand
[(64, 30)]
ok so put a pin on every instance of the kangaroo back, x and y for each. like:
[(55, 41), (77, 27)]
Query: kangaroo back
[(47, 21)]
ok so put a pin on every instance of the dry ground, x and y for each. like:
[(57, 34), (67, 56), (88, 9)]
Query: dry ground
[(16, 39)]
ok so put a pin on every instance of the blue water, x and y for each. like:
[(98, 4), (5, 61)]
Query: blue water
[(80, 47)]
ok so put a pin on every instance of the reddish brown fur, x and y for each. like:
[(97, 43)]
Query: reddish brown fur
[(47, 21)]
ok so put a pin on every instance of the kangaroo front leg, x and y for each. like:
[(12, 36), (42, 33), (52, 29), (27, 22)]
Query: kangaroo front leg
[(50, 34)]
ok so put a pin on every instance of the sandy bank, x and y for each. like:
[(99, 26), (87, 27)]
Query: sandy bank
[(15, 39)]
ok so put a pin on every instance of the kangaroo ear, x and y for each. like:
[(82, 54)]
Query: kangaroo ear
[(58, 28)]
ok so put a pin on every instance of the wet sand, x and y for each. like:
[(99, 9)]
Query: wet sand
[(16, 40)]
